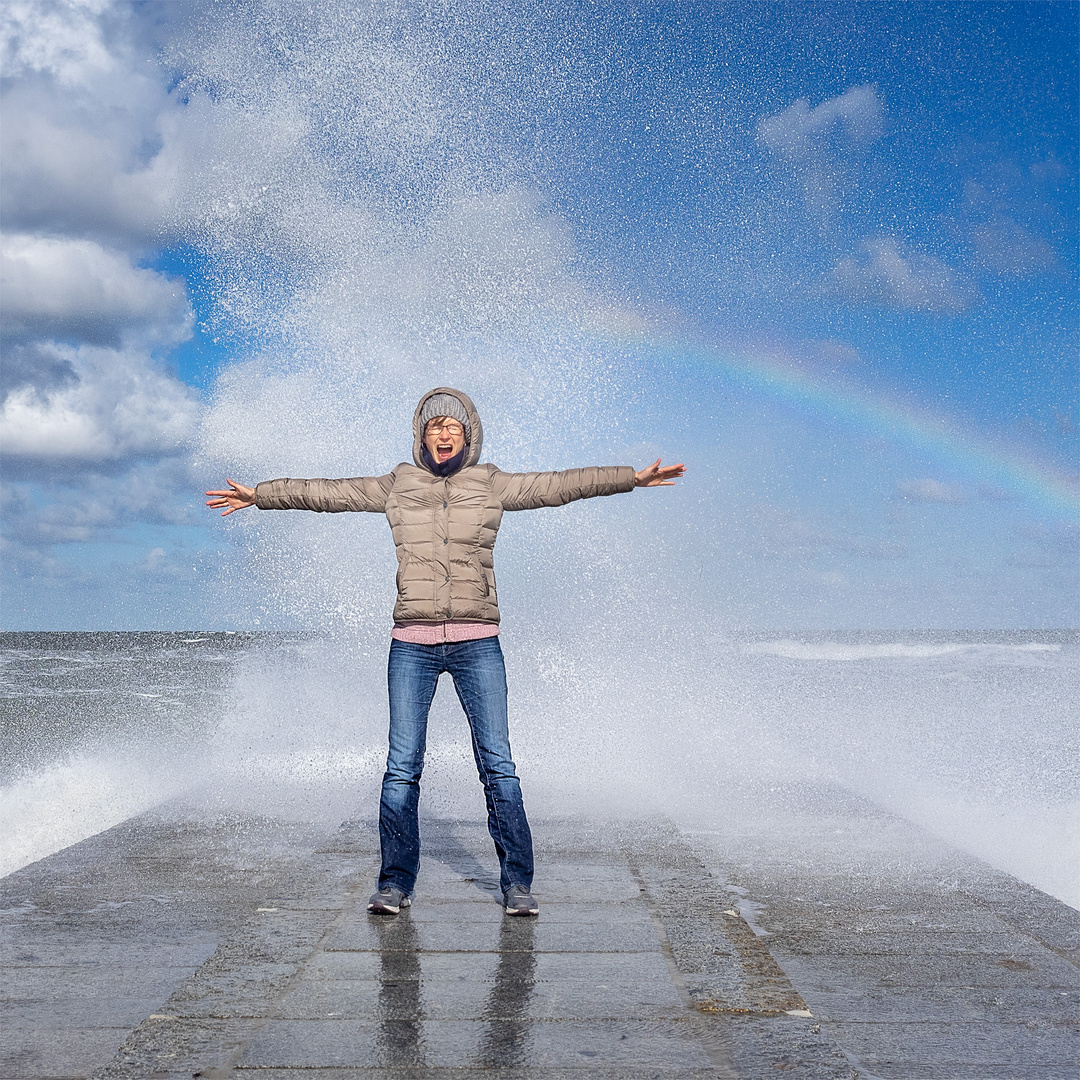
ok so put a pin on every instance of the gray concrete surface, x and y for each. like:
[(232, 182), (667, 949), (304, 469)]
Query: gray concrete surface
[(825, 940)]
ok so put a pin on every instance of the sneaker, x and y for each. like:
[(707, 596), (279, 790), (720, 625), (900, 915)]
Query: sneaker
[(388, 901), (519, 901)]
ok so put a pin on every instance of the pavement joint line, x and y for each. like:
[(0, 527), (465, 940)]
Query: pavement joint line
[(496, 952), (876, 1013), (710, 1039), (142, 1050), (352, 898)]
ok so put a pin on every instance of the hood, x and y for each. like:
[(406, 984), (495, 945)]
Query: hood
[(472, 451)]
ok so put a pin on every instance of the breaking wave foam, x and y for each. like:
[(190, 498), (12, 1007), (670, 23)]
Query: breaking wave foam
[(827, 650)]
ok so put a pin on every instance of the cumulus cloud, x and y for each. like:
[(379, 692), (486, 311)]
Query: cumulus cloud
[(815, 142), (64, 40), (82, 190), (99, 505), (76, 289), (116, 406), (890, 275), (81, 126), (928, 490), (43, 522), (61, 169)]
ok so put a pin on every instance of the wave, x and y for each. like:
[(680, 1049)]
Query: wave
[(61, 805), (830, 650)]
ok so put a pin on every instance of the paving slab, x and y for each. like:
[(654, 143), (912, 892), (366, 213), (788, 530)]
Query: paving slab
[(174, 946), (919, 961)]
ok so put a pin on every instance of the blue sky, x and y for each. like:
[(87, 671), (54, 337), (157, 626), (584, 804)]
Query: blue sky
[(827, 254)]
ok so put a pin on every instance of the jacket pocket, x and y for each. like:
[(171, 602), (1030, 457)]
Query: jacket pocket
[(403, 562), (482, 575)]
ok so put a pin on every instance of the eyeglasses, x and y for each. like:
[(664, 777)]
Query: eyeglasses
[(434, 428)]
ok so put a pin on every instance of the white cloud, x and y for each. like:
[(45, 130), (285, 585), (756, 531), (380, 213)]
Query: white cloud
[(83, 192), (100, 505), (81, 124), (1000, 243), (64, 167), (117, 406), (817, 141), (799, 131), (64, 39), (930, 491), (891, 276), (76, 289), (1006, 247)]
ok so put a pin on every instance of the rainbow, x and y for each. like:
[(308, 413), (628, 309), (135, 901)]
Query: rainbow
[(776, 374)]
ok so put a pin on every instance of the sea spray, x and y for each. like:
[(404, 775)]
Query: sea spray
[(376, 228), (364, 193)]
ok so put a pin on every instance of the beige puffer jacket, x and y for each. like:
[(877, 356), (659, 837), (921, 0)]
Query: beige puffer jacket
[(445, 527)]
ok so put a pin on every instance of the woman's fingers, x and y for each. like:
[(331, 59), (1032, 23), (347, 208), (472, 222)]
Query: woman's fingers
[(657, 475), (237, 497), (241, 489)]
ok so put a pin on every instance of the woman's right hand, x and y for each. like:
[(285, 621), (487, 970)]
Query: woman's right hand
[(238, 498)]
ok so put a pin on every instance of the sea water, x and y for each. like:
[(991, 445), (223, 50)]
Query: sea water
[(971, 735)]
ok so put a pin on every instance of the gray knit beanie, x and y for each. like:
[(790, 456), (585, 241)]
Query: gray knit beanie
[(445, 405)]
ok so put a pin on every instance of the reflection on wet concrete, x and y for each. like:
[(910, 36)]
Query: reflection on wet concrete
[(400, 1012), (505, 1040), (948, 969)]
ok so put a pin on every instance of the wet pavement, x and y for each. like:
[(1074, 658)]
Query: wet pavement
[(831, 940)]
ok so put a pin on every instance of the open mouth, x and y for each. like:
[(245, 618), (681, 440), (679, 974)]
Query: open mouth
[(444, 450)]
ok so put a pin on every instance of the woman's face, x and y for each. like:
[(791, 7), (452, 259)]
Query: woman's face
[(444, 437)]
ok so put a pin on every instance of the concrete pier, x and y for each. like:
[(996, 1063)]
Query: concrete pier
[(824, 942)]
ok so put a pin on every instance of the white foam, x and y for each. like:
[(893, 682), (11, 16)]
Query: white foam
[(830, 650), (1038, 843), (59, 806)]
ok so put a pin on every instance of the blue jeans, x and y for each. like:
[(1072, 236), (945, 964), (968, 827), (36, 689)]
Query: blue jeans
[(480, 681)]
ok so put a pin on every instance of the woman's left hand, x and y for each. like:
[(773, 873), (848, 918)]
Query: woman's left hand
[(658, 476)]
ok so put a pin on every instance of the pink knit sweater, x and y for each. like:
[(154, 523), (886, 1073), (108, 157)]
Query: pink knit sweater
[(439, 633)]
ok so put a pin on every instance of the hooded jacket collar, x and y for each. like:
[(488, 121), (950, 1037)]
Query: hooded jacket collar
[(443, 468)]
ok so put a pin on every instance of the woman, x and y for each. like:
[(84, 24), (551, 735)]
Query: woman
[(444, 513)]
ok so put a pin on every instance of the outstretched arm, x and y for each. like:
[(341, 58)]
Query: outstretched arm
[(367, 493), (656, 475), (529, 491), (238, 497)]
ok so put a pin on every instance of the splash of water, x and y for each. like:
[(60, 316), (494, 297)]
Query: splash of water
[(374, 222), (369, 210)]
